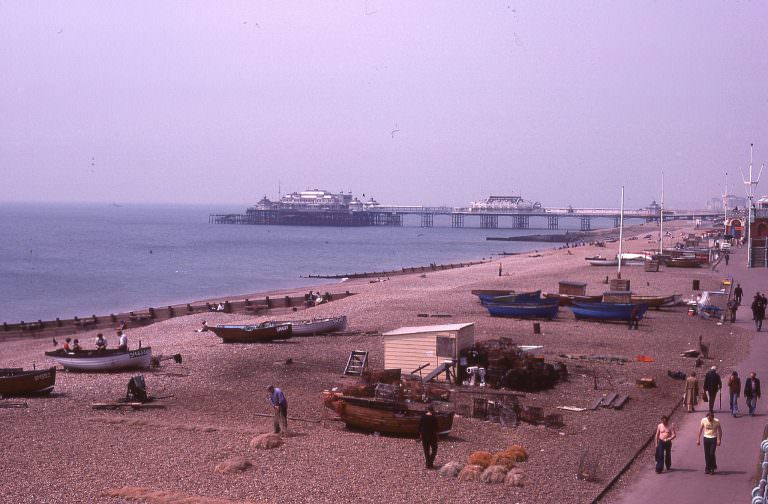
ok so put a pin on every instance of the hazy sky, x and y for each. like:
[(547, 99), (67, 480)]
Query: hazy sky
[(432, 102)]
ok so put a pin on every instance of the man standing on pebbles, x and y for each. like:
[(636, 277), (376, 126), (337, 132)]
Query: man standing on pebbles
[(428, 435), (280, 403)]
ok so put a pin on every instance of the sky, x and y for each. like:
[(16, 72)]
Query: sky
[(431, 102)]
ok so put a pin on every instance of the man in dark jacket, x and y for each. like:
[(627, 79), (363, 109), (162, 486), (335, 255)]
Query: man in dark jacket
[(428, 435), (738, 292), (712, 385), (752, 392)]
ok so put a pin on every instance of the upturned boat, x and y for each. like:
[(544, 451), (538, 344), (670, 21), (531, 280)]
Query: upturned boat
[(683, 262), (608, 311), (601, 261), (103, 360), (525, 310), (314, 326), (17, 382), (385, 416), (252, 333), (657, 302)]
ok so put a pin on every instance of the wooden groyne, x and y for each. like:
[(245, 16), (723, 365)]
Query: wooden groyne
[(140, 318), (403, 271)]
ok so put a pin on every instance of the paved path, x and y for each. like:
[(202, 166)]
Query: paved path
[(738, 455)]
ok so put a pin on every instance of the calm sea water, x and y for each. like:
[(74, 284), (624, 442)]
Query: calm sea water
[(67, 260)]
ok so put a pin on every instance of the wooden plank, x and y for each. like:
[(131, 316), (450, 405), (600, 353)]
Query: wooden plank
[(134, 405), (609, 399), (597, 403), (620, 401)]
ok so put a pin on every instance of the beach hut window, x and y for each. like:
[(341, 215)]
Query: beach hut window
[(446, 347)]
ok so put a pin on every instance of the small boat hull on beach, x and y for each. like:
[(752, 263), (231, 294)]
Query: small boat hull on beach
[(569, 299), (525, 310), (607, 311), (384, 416), (17, 382), (314, 326), (657, 302), (252, 333), (489, 296), (103, 360)]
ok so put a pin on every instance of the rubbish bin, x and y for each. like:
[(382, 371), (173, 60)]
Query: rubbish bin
[(696, 284), (536, 328)]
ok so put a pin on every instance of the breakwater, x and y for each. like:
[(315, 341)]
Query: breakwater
[(402, 271)]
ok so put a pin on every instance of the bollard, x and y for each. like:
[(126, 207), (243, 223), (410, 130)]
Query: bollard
[(695, 284), (268, 302), (536, 328), (151, 312), (170, 311), (287, 300), (189, 308), (227, 307)]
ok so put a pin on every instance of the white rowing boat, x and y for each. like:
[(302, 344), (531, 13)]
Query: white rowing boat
[(315, 326), (103, 360)]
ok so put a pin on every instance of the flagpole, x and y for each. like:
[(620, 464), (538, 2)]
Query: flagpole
[(621, 230)]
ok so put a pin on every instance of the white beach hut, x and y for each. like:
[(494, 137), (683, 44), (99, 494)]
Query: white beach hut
[(409, 348)]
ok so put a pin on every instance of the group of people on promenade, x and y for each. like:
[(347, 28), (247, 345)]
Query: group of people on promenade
[(710, 430)]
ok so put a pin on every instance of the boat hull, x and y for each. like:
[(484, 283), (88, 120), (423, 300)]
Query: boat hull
[(526, 311), (109, 360), (315, 326), (569, 299), (24, 383), (607, 311), (509, 297), (386, 417), (252, 334), (656, 302)]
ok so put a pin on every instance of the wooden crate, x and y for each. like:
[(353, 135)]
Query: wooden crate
[(619, 284), (652, 266), (572, 288)]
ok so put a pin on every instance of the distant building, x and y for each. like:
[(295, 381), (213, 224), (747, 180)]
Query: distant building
[(734, 203), (758, 230)]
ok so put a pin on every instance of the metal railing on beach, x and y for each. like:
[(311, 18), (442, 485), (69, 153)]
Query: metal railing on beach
[(760, 492)]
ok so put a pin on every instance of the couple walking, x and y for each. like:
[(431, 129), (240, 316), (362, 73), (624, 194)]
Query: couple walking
[(709, 429)]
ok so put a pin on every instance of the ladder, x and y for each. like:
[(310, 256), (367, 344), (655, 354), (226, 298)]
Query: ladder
[(357, 362)]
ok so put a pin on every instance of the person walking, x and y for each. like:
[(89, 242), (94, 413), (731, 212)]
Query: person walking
[(758, 311), (665, 433), (428, 435), (712, 385), (752, 392), (738, 292), (713, 435), (634, 317), (280, 404), (731, 307), (734, 390), (691, 392), (727, 257)]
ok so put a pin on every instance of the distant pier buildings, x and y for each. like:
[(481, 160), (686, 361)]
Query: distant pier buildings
[(322, 208)]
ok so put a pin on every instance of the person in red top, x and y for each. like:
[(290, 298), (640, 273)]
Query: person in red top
[(665, 433), (67, 347)]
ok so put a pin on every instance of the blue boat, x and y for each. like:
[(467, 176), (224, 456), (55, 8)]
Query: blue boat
[(511, 297), (524, 310), (608, 311)]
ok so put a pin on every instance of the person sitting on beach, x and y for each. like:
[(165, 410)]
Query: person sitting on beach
[(67, 347), (76, 345), (123, 346), (204, 328), (123, 326), (101, 343)]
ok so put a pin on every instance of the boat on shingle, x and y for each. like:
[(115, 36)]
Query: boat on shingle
[(17, 382), (103, 360)]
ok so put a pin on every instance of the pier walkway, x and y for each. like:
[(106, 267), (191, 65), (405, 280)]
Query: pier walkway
[(739, 454)]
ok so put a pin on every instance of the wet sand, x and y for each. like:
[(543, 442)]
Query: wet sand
[(60, 450)]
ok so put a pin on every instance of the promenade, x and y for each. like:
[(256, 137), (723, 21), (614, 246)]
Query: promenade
[(737, 457)]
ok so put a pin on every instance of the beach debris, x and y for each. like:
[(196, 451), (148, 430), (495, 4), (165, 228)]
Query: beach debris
[(266, 441), (471, 473), (646, 382), (232, 466), (677, 375), (494, 474), (571, 408), (613, 359), (450, 469), (644, 358), (8, 404), (587, 469), (690, 353), (515, 477), (480, 458), (132, 405)]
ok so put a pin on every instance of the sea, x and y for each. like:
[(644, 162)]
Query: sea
[(65, 260)]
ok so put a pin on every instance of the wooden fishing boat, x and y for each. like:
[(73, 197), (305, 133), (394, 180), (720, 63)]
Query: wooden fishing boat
[(525, 310), (314, 326), (103, 360), (607, 311), (683, 262), (533, 298), (569, 299), (17, 382), (510, 296), (252, 333), (657, 302), (385, 416), (601, 261)]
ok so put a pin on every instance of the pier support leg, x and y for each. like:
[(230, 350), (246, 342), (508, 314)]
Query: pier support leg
[(457, 220), (586, 222), (489, 221), (616, 221), (427, 220), (552, 222)]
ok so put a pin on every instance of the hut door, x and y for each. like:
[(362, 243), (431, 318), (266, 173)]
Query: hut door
[(446, 347)]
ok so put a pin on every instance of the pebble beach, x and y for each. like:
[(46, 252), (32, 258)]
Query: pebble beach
[(60, 450)]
